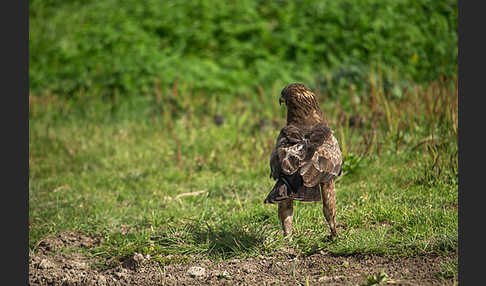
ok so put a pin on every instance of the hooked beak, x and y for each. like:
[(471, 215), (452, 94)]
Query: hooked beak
[(280, 100)]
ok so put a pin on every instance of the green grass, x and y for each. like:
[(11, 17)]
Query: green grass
[(449, 270), (116, 168)]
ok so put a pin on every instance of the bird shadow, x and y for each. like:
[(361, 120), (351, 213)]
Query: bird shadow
[(228, 241)]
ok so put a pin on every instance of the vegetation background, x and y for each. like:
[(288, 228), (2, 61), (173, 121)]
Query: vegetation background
[(219, 46), (151, 123)]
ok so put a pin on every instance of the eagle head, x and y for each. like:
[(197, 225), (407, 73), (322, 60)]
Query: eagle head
[(302, 105), (295, 93)]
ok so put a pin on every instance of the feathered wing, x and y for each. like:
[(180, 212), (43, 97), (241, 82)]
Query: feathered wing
[(326, 163), (300, 160)]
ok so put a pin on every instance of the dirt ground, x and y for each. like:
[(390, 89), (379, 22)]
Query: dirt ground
[(48, 266)]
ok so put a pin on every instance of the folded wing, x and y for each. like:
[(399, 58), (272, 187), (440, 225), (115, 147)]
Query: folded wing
[(303, 158)]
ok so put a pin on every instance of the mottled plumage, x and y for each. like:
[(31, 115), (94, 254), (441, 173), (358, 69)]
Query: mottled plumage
[(306, 158)]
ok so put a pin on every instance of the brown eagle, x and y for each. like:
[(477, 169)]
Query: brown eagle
[(306, 158)]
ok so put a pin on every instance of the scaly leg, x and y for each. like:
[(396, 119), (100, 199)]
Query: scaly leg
[(328, 194), (285, 214)]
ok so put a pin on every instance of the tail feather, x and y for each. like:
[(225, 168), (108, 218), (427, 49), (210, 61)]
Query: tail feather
[(308, 194), (292, 187), (278, 193)]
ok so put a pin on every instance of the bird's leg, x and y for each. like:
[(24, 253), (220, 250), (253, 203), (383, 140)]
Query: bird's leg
[(328, 194), (285, 214)]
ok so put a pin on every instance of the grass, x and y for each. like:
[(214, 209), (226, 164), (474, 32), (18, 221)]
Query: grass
[(449, 270), (119, 169)]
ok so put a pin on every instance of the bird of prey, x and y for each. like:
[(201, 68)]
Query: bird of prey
[(306, 158)]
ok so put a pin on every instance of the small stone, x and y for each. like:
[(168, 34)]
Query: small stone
[(324, 279), (77, 265), (121, 274), (45, 264), (137, 257), (196, 271)]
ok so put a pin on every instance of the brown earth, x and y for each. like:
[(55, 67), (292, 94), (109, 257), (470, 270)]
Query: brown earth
[(48, 266)]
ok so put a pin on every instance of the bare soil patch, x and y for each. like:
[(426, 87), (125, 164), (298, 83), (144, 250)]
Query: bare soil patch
[(51, 267)]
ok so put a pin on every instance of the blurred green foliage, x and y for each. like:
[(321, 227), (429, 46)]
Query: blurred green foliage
[(127, 47)]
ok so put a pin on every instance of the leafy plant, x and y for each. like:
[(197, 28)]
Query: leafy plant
[(376, 279), (124, 48), (351, 163)]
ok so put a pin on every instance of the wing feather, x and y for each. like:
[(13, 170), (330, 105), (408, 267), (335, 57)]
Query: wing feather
[(288, 154), (315, 153), (325, 164)]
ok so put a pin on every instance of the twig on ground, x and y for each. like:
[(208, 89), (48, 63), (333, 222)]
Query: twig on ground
[(185, 195)]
